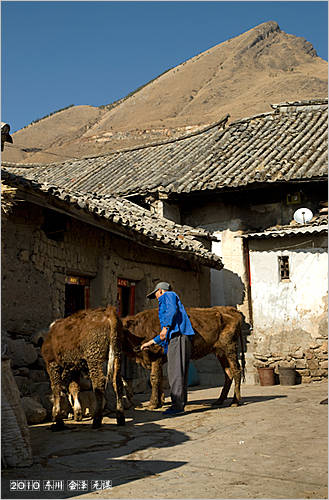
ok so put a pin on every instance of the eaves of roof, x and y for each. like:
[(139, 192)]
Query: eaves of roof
[(289, 144), (318, 225), (130, 220)]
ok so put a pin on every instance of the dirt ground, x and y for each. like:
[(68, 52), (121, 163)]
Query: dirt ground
[(273, 446)]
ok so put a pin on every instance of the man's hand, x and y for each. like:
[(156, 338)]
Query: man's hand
[(147, 344), (163, 333)]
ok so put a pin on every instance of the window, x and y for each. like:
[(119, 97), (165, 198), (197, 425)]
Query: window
[(54, 225), (76, 294), (284, 268), (294, 198)]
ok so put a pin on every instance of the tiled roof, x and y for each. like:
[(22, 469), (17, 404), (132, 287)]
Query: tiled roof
[(139, 224), (287, 144), (318, 224)]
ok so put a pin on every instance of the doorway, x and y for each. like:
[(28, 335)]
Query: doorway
[(125, 297), (126, 306)]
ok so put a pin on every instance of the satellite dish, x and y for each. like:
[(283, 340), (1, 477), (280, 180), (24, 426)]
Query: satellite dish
[(303, 215)]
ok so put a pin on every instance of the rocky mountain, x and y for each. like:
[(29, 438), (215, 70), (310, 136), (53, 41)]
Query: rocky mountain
[(240, 77)]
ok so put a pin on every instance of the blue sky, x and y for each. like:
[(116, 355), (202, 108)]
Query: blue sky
[(55, 54)]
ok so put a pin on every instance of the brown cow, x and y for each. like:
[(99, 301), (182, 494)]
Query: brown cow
[(217, 330), (85, 341)]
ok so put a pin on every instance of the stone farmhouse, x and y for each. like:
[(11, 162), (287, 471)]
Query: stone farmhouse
[(64, 251), (228, 189)]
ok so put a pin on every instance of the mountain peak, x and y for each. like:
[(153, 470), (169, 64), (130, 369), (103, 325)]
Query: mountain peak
[(267, 27), (240, 77), (258, 34)]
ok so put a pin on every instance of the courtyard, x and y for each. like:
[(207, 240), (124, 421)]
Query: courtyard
[(273, 446)]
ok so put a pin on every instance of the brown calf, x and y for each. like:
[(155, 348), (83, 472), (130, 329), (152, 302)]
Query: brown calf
[(85, 341), (217, 330)]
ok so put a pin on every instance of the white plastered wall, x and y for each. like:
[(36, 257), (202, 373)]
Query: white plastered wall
[(287, 312)]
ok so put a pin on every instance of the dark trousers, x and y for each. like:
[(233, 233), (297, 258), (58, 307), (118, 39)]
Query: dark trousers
[(179, 352)]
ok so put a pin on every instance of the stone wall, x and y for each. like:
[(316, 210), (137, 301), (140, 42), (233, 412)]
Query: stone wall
[(15, 443), (310, 364), (29, 372)]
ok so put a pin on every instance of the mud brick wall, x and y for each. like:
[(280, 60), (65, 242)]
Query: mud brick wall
[(34, 269)]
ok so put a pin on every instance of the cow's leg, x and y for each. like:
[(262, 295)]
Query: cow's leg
[(236, 373), (128, 391), (98, 382), (54, 372), (227, 382), (74, 390), (118, 389), (157, 395)]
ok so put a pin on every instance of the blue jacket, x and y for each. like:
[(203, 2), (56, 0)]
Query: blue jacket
[(172, 314)]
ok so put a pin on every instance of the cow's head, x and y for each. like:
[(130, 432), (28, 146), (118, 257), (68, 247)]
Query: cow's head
[(131, 346)]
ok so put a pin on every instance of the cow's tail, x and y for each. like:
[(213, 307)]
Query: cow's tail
[(114, 333), (243, 359), (115, 349), (110, 365)]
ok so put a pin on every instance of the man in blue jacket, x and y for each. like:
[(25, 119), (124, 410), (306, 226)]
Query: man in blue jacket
[(175, 338)]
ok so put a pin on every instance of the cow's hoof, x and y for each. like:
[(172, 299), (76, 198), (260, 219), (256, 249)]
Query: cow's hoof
[(235, 403), (97, 423), (218, 402), (121, 419), (58, 426), (153, 406)]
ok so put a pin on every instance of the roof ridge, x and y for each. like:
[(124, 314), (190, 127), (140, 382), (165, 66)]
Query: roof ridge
[(275, 107), (304, 102), (12, 164), (310, 102), (125, 150), (167, 141)]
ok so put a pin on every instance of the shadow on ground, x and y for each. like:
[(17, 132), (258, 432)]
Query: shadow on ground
[(82, 453), (79, 483), (143, 414)]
